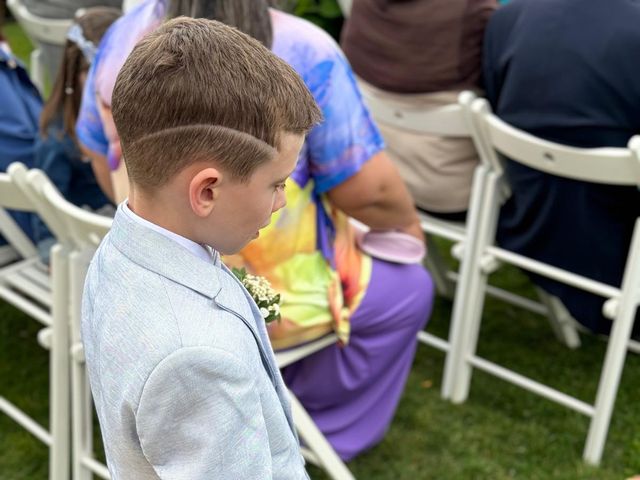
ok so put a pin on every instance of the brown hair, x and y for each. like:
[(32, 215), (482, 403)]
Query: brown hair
[(197, 89), (249, 16), (66, 93)]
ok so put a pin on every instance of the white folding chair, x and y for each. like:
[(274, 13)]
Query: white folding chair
[(615, 166), (26, 284), (47, 30), (85, 232), (454, 121), (78, 232)]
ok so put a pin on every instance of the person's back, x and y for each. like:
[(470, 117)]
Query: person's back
[(184, 379), (20, 109), (560, 69), (414, 56), (417, 46)]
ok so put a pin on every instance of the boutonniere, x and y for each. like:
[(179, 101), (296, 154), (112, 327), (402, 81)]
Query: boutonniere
[(263, 294)]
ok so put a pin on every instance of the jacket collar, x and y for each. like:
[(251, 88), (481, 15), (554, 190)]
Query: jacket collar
[(157, 253)]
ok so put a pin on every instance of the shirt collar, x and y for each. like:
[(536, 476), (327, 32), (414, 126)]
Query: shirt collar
[(204, 252)]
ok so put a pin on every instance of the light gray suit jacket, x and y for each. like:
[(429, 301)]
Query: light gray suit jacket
[(183, 376)]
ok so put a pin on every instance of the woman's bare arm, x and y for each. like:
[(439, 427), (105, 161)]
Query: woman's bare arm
[(378, 197)]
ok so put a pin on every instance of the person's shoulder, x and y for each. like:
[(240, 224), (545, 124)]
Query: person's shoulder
[(296, 39)]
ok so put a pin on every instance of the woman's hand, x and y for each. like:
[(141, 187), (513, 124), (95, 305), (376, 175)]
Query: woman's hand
[(415, 230)]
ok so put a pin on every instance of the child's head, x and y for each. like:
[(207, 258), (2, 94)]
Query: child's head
[(82, 40), (211, 123)]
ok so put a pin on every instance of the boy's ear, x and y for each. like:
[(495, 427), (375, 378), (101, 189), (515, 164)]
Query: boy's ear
[(203, 191)]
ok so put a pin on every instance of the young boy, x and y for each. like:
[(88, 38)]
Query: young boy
[(182, 372)]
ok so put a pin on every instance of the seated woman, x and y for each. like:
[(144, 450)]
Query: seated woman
[(309, 252), (56, 151), (19, 112), (418, 55)]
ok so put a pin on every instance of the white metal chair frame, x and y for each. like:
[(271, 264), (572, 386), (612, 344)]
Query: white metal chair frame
[(27, 285), (622, 168), (455, 121), (82, 233), (48, 30)]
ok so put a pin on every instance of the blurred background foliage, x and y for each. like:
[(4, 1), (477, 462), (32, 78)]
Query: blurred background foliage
[(324, 13)]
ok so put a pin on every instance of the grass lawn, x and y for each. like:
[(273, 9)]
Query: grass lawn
[(501, 432)]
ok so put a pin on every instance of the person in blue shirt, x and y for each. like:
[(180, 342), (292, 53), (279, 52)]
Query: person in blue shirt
[(56, 149), (19, 112)]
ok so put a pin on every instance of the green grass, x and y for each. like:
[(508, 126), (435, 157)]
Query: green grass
[(501, 432)]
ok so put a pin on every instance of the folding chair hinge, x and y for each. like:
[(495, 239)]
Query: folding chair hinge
[(610, 308), (489, 263), (77, 352), (44, 337), (457, 251)]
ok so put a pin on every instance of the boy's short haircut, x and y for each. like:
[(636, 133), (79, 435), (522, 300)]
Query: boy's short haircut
[(198, 90)]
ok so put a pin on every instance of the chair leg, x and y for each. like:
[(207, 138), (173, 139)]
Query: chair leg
[(59, 407), (317, 443), (608, 387), (82, 407), (457, 332), (616, 354), (561, 321), (470, 331), (482, 229)]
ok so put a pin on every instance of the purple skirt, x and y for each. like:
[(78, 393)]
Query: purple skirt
[(352, 392)]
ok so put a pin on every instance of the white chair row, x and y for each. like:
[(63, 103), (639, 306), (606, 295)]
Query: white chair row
[(454, 121), (27, 285), (474, 246), (78, 232), (479, 256)]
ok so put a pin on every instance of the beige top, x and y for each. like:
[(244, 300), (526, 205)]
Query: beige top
[(438, 171)]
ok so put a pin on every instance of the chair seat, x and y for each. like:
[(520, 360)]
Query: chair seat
[(292, 355)]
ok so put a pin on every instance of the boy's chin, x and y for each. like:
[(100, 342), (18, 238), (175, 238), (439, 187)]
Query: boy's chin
[(232, 250)]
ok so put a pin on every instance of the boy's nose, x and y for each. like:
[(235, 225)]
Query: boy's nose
[(280, 202)]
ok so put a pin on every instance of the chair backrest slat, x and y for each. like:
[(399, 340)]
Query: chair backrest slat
[(446, 121), (12, 198), (86, 228), (613, 166)]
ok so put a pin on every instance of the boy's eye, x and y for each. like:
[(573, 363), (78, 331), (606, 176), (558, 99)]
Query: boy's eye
[(281, 186)]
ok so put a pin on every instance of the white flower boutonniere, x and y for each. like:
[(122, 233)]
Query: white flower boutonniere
[(263, 294)]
